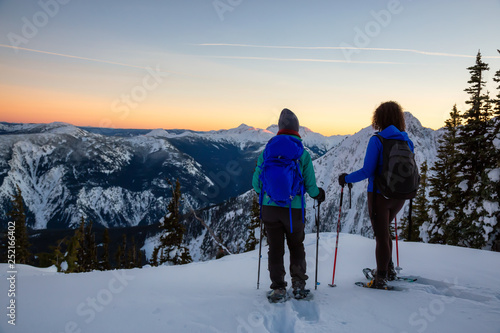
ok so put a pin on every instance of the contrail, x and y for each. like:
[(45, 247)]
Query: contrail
[(87, 59), (309, 60), (348, 48), (71, 56)]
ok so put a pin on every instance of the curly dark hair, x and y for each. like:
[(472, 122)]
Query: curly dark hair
[(387, 114)]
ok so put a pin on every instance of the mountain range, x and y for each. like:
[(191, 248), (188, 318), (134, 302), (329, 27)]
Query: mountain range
[(230, 219), (120, 177)]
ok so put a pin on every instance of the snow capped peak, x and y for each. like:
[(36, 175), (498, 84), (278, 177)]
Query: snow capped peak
[(412, 121), (62, 128), (245, 127), (33, 128), (159, 132), (273, 129)]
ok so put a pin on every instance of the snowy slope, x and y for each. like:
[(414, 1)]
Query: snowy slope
[(347, 157), (456, 291)]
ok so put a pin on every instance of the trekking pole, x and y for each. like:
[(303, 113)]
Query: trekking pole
[(398, 269), (410, 226), (260, 255), (317, 246), (337, 242), (350, 198)]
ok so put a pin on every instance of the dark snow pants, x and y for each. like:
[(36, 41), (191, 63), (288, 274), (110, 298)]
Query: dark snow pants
[(385, 212), (277, 225)]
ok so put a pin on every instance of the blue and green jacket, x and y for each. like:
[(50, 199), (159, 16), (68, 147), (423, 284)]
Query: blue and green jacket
[(307, 169)]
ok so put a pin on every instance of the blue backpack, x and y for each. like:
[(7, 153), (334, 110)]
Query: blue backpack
[(281, 176)]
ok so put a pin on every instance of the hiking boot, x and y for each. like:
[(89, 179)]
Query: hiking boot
[(391, 274), (301, 293), (277, 295), (379, 282), (299, 289)]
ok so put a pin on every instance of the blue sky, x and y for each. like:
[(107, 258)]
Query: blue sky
[(217, 64)]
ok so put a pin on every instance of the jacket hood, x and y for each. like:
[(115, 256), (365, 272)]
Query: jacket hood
[(393, 133)]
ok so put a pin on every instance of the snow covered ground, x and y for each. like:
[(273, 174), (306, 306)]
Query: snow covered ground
[(457, 290)]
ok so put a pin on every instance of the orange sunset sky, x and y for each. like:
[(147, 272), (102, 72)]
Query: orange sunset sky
[(172, 64)]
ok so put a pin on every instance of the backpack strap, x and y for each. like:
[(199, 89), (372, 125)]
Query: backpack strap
[(374, 193), (302, 192)]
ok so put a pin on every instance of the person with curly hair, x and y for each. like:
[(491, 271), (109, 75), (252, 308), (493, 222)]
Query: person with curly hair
[(389, 122)]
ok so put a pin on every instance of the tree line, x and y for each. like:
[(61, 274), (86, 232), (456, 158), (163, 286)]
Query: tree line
[(458, 201), (81, 253)]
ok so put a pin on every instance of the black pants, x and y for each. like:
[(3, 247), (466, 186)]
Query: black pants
[(277, 223), (385, 212)]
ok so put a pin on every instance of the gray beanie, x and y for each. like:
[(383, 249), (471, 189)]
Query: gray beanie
[(288, 120)]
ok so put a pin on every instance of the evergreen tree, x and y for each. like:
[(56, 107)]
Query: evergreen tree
[(494, 236), (252, 242), (90, 249), (73, 252), (496, 110), (123, 257), (17, 215), (80, 239), (443, 185), (171, 247), (154, 257), (132, 254), (104, 263), (474, 151), (118, 257), (58, 256), (140, 257)]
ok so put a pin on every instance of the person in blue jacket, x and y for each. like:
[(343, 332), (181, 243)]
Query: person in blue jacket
[(389, 120), (277, 219)]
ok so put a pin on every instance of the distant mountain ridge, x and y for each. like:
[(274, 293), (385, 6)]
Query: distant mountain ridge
[(118, 178)]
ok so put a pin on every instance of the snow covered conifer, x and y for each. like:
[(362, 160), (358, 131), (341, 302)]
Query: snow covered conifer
[(173, 231), (252, 242), (443, 183), (494, 174), (17, 215), (90, 249), (104, 263), (475, 150)]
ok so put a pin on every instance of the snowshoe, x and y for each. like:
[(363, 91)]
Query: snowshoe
[(370, 273), (378, 283), (277, 296), (366, 285), (302, 294)]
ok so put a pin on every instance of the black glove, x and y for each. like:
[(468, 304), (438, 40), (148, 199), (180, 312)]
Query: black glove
[(321, 196), (342, 179)]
